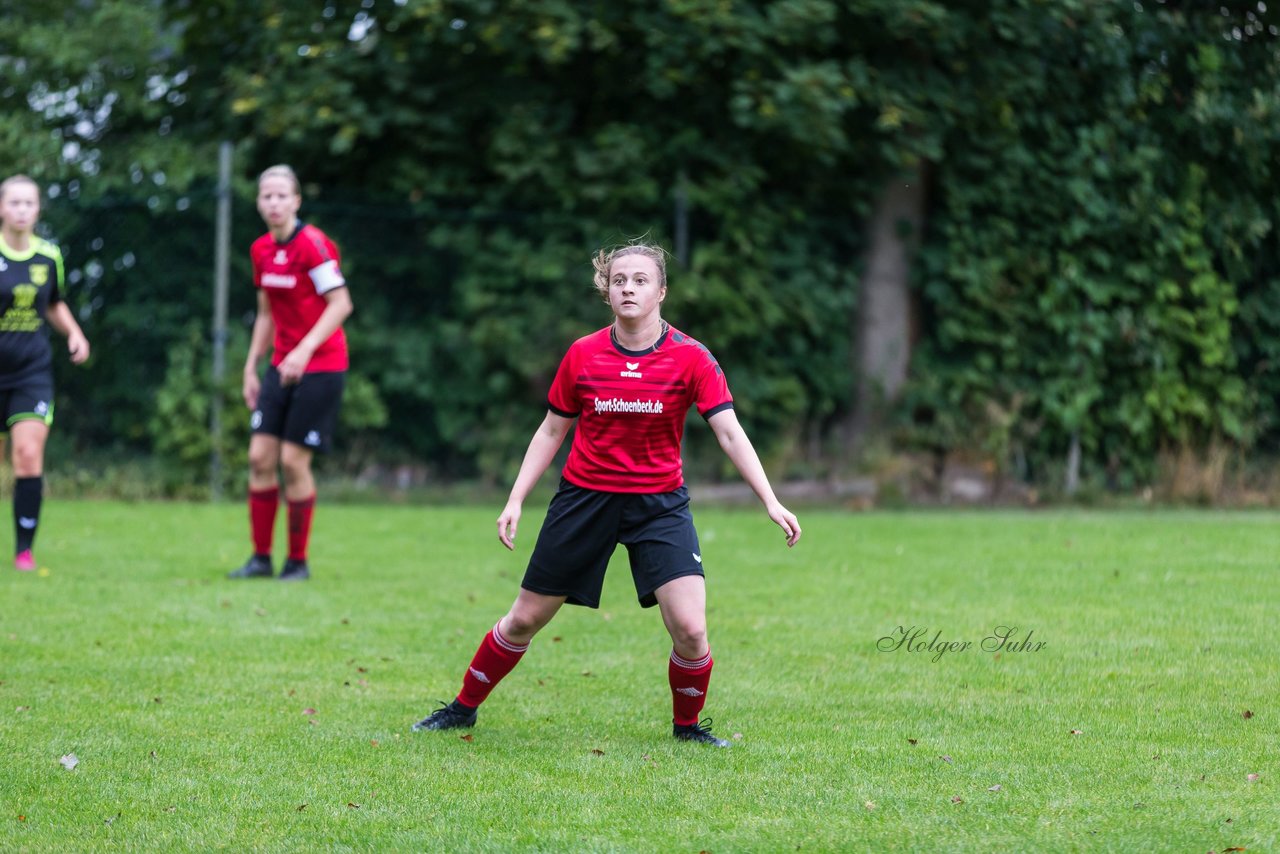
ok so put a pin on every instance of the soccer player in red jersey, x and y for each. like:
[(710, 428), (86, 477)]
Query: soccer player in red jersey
[(31, 282), (302, 302), (629, 386)]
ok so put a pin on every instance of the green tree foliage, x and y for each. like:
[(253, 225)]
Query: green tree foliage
[(1099, 205), (1099, 262)]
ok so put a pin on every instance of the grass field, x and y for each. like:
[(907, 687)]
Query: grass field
[(211, 714)]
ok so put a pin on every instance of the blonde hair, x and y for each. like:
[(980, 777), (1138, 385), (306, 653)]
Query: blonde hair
[(280, 170), (14, 180), (603, 261)]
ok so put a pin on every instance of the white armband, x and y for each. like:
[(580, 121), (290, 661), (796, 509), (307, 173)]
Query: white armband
[(327, 276)]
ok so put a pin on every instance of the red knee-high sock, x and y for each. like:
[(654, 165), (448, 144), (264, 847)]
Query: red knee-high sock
[(300, 513), (262, 517), (689, 681), (495, 658)]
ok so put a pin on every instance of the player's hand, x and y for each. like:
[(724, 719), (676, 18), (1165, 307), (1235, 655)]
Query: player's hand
[(508, 523), (252, 385), (293, 366), (78, 348), (787, 521)]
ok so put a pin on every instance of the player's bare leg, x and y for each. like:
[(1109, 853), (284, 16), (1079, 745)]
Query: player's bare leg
[(683, 602)]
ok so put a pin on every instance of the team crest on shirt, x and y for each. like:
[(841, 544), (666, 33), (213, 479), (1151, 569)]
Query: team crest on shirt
[(39, 274), (282, 257), (24, 296), (631, 371)]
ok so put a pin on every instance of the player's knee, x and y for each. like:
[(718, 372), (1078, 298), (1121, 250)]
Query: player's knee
[(296, 466), (522, 625), (27, 459), (262, 462), (689, 635)]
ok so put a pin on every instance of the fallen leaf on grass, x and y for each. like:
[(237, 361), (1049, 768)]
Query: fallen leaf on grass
[(737, 736), (586, 673), (308, 711), (353, 806), (170, 809), (345, 621), (23, 709), (870, 805), (261, 612), (956, 799), (153, 755), (945, 758), (1077, 732), (108, 821), (595, 751), (374, 742), (913, 742), (70, 761), (1247, 714), (22, 818), (997, 787), (467, 737), (301, 807), (1252, 778), (556, 639), (1234, 848), (156, 700)]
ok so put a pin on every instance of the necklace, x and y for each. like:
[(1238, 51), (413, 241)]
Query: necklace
[(613, 336)]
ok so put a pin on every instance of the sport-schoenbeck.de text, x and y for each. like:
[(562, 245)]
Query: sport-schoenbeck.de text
[(617, 404)]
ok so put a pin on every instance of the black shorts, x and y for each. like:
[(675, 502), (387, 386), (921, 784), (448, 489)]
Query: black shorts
[(584, 526), (28, 400), (305, 413)]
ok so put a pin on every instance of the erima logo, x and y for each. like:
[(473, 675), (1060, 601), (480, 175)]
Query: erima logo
[(3, 265), (282, 257), (697, 557), (42, 408), (313, 439), (689, 692), (255, 421), (479, 675), (631, 371), (26, 522)]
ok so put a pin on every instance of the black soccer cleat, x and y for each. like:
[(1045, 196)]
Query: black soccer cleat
[(257, 566), (451, 716), (699, 732), (294, 570)]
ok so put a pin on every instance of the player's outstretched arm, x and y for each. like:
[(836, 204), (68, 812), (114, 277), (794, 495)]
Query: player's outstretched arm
[(733, 440), (542, 450)]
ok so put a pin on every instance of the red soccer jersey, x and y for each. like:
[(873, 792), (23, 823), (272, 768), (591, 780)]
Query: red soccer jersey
[(631, 408), (296, 275)]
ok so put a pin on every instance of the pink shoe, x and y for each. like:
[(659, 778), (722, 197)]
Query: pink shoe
[(24, 561)]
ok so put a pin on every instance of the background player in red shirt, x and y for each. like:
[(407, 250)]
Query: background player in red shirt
[(630, 386), (31, 282), (302, 301)]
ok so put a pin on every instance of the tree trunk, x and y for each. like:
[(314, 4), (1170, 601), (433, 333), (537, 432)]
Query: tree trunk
[(882, 325)]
